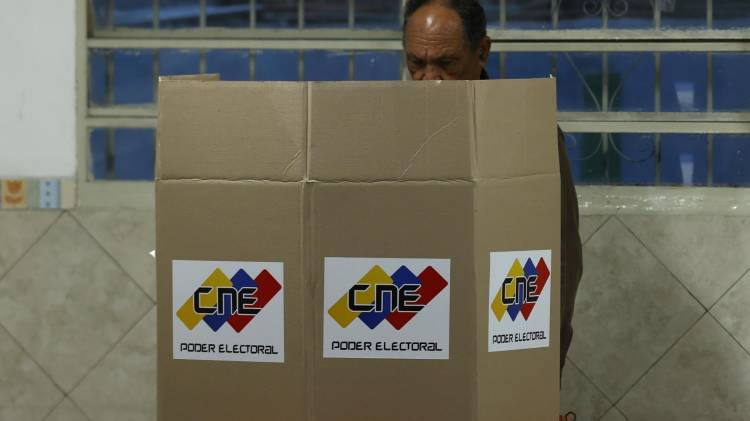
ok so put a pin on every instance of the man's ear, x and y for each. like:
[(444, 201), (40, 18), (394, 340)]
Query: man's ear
[(484, 50)]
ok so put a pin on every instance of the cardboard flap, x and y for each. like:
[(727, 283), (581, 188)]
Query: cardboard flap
[(516, 128), (231, 130), (356, 131), (389, 131)]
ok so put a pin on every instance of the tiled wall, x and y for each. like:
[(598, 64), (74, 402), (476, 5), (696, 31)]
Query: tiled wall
[(662, 325)]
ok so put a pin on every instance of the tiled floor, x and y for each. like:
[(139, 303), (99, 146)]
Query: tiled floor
[(662, 327)]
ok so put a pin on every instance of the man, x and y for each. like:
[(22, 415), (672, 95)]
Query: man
[(447, 40)]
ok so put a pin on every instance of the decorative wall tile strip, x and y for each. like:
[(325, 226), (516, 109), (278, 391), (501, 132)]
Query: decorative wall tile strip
[(37, 194)]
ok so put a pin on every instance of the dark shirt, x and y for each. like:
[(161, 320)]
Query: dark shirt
[(571, 259)]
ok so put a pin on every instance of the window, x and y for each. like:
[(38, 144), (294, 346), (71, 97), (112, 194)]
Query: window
[(649, 93)]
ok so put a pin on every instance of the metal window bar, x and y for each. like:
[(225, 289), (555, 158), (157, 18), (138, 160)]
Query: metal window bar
[(110, 14), (301, 26), (657, 109), (110, 155), (253, 15), (251, 53), (555, 12), (155, 11), (301, 14), (710, 98), (606, 139), (202, 13), (571, 122), (403, 71), (351, 22), (710, 160), (396, 45), (503, 14), (553, 35)]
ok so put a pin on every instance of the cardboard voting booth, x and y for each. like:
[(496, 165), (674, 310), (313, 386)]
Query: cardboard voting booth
[(358, 251)]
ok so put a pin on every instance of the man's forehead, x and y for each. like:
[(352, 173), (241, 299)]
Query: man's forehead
[(435, 22)]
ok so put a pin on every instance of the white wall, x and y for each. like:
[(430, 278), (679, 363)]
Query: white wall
[(37, 88)]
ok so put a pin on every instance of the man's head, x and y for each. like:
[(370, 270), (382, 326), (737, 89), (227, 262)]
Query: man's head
[(445, 39)]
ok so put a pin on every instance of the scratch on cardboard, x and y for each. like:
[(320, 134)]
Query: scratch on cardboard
[(414, 157), (291, 163)]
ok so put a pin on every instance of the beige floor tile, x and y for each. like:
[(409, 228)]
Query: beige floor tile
[(26, 393), (612, 415), (706, 376), (68, 303), (693, 247), (123, 386), (19, 230), (128, 235), (629, 310), (733, 311), (66, 411), (588, 224), (581, 396)]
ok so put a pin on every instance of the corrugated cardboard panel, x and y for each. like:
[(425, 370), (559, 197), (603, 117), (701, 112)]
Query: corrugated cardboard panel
[(431, 170), (231, 130), (390, 131), (515, 216), (231, 221), (396, 220), (516, 128)]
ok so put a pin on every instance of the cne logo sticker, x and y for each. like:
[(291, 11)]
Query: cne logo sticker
[(386, 308), (237, 318), (520, 300), (235, 301)]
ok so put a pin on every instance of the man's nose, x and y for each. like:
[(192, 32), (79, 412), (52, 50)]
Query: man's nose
[(433, 73)]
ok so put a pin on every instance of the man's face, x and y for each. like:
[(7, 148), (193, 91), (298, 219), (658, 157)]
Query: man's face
[(437, 49)]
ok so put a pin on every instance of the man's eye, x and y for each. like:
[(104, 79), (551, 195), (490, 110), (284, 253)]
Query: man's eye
[(446, 62)]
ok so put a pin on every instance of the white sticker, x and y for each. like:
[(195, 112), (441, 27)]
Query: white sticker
[(520, 300), (386, 308), (228, 311)]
